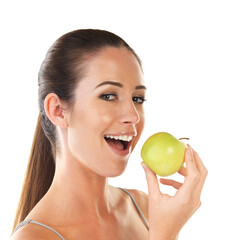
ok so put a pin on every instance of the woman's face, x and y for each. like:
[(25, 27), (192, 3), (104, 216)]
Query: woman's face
[(107, 118)]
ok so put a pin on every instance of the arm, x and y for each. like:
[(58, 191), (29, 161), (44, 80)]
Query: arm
[(167, 214)]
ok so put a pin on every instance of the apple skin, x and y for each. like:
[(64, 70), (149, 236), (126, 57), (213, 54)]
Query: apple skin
[(163, 153)]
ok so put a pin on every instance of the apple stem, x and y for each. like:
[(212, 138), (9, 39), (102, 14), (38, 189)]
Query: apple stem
[(183, 138)]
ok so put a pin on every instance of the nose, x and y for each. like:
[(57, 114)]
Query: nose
[(129, 113)]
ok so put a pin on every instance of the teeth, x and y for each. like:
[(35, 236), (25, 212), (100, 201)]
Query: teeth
[(123, 138)]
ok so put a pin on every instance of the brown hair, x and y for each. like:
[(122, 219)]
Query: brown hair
[(63, 67)]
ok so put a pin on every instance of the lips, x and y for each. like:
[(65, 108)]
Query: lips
[(120, 147)]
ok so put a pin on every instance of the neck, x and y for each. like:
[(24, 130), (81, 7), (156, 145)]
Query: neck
[(81, 192)]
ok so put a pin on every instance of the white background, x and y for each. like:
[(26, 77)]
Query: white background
[(191, 55)]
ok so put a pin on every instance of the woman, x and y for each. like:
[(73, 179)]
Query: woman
[(91, 95)]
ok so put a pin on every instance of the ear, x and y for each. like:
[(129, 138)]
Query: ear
[(54, 110)]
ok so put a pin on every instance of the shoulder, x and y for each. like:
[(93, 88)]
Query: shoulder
[(141, 198), (32, 231)]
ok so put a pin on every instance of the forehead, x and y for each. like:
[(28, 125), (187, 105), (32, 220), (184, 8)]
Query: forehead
[(114, 64)]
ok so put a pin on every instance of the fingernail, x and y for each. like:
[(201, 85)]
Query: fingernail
[(144, 166), (188, 149)]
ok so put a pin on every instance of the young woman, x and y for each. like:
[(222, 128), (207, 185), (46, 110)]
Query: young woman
[(91, 97)]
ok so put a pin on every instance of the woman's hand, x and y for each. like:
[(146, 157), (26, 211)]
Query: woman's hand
[(168, 214)]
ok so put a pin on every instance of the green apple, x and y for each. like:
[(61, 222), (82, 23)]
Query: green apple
[(163, 153)]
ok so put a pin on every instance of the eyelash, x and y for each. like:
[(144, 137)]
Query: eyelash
[(107, 95)]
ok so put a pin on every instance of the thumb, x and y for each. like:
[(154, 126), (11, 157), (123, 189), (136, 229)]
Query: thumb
[(152, 181)]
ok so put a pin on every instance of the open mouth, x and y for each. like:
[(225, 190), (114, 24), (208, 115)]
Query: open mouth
[(119, 146)]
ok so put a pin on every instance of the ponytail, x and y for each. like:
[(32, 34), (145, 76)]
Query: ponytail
[(39, 174)]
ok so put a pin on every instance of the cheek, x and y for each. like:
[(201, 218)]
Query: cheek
[(105, 118), (105, 115), (89, 122), (93, 116), (141, 123)]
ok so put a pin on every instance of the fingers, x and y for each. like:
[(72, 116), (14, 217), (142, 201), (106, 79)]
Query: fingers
[(171, 182), (183, 171), (202, 171), (191, 172), (190, 161), (152, 182), (195, 172)]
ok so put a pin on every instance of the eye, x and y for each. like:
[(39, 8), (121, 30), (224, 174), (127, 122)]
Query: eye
[(109, 97), (139, 99)]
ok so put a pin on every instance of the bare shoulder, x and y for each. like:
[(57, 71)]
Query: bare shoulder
[(32, 231), (141, 199), (139, 196)]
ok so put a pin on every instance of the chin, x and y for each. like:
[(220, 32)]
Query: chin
[(116, 171)]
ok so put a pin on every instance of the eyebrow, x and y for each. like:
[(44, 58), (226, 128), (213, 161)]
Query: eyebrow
[(118, 85)]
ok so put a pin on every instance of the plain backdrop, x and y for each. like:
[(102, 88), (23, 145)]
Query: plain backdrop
[(191, 54)]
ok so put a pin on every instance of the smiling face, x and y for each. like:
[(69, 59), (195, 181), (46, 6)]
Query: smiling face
[(107, 117)]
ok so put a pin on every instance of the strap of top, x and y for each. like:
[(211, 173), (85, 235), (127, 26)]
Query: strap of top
[(138, 209), (38, 223)]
